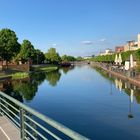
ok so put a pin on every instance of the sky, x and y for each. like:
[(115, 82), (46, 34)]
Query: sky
[(73, 27)]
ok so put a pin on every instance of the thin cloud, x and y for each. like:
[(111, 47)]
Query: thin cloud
[(54, 45), (103, 40), (87, 42)]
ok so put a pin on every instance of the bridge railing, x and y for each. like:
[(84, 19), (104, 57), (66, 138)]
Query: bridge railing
[(32, 124)]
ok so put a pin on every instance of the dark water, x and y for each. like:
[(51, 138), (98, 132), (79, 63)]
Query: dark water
[(86, 100)]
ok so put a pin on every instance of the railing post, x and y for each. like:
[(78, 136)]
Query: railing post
[(22, 119), (0, 107)]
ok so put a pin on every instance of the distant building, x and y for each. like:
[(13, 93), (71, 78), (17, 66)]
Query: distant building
[(107, 52), (138, 40), (119, 49), (132, 45), (87, 57)]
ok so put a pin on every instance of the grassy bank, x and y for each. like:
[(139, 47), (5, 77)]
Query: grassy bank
[(45, 68), (20, 75)]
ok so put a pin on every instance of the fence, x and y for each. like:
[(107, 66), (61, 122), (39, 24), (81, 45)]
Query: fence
[(32, 124)]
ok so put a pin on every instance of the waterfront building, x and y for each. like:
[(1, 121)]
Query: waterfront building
[(87, 57), (138, 40), (107, 52), (119, 49), (133, 45)]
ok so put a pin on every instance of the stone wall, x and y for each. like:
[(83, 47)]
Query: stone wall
[(22, 67)]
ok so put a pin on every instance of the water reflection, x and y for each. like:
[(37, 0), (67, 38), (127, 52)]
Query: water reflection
[(53, 77), (67, 69), (131, 90), (28, 87)]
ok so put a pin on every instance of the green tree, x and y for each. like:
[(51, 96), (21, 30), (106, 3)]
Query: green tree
[(52, 56), (39, 57), (64, 58), (79, 58), (68, 58), (27, 51), (9, 46)]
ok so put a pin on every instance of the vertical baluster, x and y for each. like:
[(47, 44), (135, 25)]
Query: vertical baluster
[(0, 107), (22, 126)]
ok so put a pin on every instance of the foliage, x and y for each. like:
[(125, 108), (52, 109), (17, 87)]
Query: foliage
[(104, 58), (111, 58), (66, 58), (48, 69), (9, 45), (39, 57), (10, 49), (27, 51), (52, 56), (20, 75), (79, 58)]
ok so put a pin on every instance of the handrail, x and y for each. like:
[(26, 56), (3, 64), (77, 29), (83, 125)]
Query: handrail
[(23, 108)]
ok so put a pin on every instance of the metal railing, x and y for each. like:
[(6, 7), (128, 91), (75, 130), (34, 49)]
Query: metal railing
[(32, 124)]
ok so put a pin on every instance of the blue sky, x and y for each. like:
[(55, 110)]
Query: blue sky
[(74, 27)]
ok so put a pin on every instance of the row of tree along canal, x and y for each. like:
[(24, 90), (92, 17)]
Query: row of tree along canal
[(14, 52)]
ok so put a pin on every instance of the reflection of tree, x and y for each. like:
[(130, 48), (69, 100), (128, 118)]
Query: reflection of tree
[(53, 77), (104, 74), (8, 89), (26, 89), (38, 77), (67, 69), (137, 95)]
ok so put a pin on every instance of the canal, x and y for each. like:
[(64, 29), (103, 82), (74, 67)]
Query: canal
[(87, 100)]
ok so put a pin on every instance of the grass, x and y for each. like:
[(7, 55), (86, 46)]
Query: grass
[(20, 75), (46, 68)]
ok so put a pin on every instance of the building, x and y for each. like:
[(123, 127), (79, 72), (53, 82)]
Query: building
[(132, 45), (138, 40), (87, 57), (119, 49), (107, 52)]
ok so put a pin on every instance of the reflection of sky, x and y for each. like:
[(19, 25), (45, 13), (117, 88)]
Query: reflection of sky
[(82, 101)]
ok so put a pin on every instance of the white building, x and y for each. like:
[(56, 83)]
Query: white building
[(107, 52), (133, 45)]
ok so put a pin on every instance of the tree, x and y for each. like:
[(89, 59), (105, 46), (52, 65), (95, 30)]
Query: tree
[(79, 58), (39, 57), (27, 51), (68, 58), (52, 56), (9, 46), (64, 58)]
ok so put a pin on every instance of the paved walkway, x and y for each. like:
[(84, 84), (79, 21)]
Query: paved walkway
[(8, 131)]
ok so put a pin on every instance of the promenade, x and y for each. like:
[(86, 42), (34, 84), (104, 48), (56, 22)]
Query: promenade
[(8, 131)]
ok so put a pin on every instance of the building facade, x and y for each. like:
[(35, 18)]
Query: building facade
[(119, 49), (138, 40), (132, 45), (107, 52)]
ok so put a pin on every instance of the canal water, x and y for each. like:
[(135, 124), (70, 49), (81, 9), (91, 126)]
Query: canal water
[(87, 100)]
